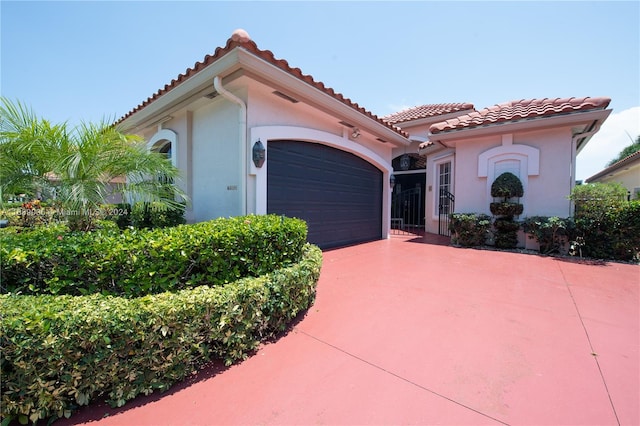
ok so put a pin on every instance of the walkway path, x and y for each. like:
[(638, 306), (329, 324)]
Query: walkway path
[(409, 333)]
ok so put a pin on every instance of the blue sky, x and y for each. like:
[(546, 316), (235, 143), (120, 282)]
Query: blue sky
[(90, 60)]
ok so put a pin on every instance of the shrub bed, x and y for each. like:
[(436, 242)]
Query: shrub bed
[(138, 262), (61, 352), (469, 229), (551, 233)]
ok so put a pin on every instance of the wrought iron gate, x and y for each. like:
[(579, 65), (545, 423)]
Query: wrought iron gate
[(446, 204), (406, 212)]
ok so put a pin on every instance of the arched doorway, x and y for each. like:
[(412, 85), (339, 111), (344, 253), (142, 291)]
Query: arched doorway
[(408, 200)]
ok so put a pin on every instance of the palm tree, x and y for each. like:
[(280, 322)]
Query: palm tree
[(24, 144), (82, 163)]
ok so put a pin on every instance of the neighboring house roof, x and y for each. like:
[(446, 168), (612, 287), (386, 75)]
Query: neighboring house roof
[(625, 162), (426, 111), (520, 110), (241, 40)]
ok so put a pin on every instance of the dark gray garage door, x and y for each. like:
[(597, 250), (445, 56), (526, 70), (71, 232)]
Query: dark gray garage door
[(338, 194)]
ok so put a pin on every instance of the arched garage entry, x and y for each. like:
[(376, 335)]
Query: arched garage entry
[(338, 194)]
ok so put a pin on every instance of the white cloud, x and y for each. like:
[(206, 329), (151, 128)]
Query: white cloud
[(397, 108), (612, 138)]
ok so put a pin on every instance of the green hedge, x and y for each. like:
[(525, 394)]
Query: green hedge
[(61, 352), (612, 234), (52, 260)]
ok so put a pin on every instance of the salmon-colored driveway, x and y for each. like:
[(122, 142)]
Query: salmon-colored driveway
[(410, 333)]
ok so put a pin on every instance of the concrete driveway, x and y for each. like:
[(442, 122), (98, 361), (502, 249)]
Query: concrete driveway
[(410, 333)]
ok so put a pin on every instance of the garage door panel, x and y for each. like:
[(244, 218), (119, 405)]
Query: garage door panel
[(338, 194)]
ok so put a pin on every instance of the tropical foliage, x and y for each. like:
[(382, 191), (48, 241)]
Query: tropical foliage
[(551, 233), (631, 149), (79, 167)]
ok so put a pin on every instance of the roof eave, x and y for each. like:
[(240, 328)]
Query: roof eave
[(301, 90), (238, 58), (182, 94), (630, 161), (537, 123)]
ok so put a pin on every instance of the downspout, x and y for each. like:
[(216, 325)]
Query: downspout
[(242, 125), (594, 128)]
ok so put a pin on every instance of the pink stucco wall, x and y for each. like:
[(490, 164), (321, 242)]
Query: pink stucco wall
[(546, 191)]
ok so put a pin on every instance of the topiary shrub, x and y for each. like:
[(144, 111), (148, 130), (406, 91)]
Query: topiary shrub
[(469, 229), (506, 235), (506, 209), (506, 186), (137, 262), (62, 352)]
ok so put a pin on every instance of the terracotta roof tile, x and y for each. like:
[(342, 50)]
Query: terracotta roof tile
[(426, 111), (520, 110), (268, 56)]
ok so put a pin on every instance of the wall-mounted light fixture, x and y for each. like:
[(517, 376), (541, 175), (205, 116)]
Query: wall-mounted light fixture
[(355, 133), (392, 182), (258, 153)]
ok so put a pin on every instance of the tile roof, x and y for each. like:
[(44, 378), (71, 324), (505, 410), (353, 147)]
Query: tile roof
[(244, 42), (626, 161), (520, 110), (426, 111)]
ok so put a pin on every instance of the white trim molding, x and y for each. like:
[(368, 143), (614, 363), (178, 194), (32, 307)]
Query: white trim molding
[(527, 157), (506, 152), (448, 158), (165, 135)]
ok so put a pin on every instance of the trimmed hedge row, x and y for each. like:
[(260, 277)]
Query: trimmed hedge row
[(51, 260), (613, 233), (61, 352)]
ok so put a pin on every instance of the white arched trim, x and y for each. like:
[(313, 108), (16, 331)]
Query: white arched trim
[(525, 158), (165, 135), (303, 134), (507, 151)]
